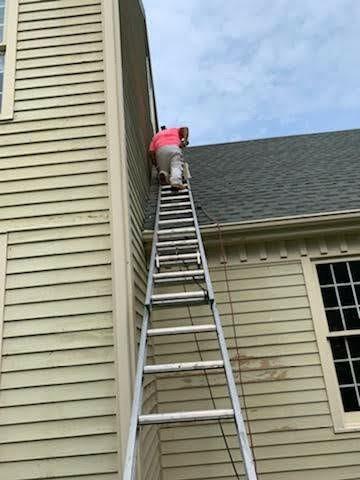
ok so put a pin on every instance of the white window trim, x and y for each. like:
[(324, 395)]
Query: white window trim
[(342, 421), (8, 45), (3, 249)]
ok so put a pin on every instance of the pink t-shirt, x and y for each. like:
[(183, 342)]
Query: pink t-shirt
[(170, 136)]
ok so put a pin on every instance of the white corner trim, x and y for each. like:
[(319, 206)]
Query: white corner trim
[(120, 226)]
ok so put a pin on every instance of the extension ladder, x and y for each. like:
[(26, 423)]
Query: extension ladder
[(177, 243)]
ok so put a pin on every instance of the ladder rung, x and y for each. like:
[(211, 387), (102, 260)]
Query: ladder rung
[(175, 298), (201, 415), (173, 205), (180, 256), (183, 366), (177, 197), (176, 231), (181, 330), (176, 220), (177, 243), (176, 212), (180, 276), (166, 193)]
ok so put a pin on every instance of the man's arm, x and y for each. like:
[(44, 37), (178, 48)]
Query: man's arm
[(184, 136), (152, 157)]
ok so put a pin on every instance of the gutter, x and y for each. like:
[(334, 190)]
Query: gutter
[(279, 227)]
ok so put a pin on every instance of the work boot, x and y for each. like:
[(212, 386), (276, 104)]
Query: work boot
[(163, 178), (177, 186)]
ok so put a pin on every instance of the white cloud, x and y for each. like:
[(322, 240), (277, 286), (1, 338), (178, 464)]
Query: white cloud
[(244, 68)]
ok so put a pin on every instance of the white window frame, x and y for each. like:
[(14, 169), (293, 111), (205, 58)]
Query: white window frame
[(3, 250), (8, 49), (342, 421)]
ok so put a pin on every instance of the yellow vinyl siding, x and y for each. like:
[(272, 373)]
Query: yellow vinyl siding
[(282, 381), (57, 399)]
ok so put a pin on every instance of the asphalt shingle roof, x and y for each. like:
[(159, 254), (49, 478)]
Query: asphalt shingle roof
[(275, 177)]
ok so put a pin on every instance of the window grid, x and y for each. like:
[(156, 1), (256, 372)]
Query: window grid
[(341, 302)]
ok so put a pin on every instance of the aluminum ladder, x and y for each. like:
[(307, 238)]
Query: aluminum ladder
[(177, 242)]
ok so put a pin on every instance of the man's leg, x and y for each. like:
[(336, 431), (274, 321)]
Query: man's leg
[(163, 166), (176, 170)]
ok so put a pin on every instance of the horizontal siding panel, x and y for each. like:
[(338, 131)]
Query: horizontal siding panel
[(59, 233), (33, 48), (53, 196), (60, 307), (62, 324), (61, 247), (58, 429), (85, 178), (58, 376), (59, 13), (53, 4), (60, 80), (41, 171), (52, 92), (79, 218), (90, 26), (58, 50), (58, 341), (59, 101), (70, 59), (57, 277), (59, 448), (60, 112), (52, 23), (67, 466), (59, 358), (58, 262), (53, 147), (48, 293), (53, 208), (57, 411), (50, 125), (51, 71), (57, 393)]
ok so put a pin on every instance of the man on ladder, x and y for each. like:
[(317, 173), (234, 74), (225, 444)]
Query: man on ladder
[(166, 154)]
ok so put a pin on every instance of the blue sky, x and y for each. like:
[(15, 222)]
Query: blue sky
[(240, 69)]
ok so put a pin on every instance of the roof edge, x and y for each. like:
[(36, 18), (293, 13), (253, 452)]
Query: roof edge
[(290, 226)]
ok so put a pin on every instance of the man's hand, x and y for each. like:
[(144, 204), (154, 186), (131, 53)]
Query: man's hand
[(183, 143)]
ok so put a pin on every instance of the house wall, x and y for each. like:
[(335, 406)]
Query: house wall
[(58, 383), (262, 297)]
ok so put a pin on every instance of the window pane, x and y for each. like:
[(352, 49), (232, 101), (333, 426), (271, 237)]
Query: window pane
[(357, 370), (341, 272), (351, 318), (346, 296), (329, 297), (324, 274), (334, 320), (343, 373), (355, 270), (354, 346), (349, 399), (357, 290), (338, 348)]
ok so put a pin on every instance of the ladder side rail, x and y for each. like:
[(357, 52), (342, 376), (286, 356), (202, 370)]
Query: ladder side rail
[(239, 421), (131, 449), (201, 247)]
